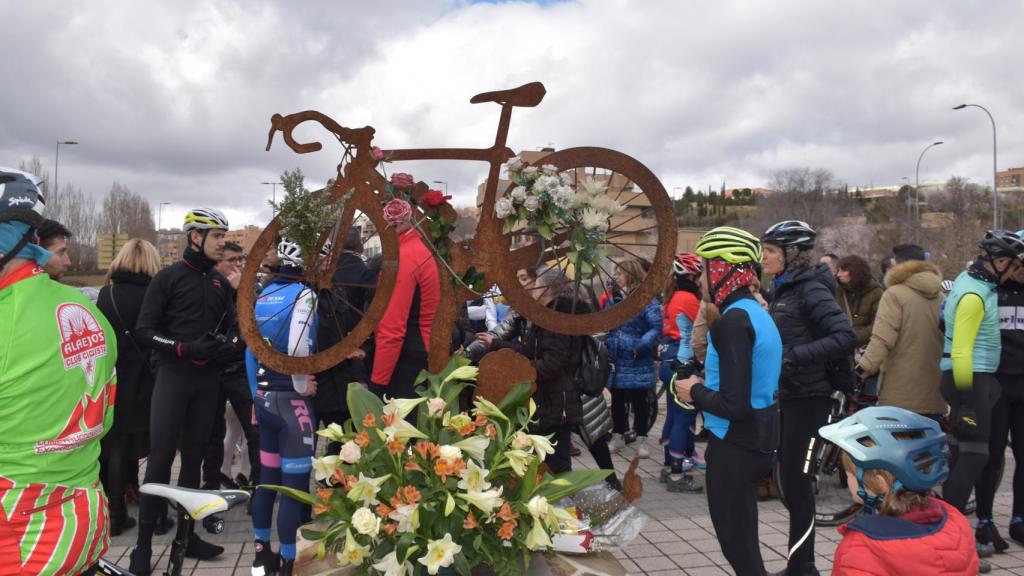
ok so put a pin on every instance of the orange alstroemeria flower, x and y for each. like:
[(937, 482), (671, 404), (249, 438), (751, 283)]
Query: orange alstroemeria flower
[(413, 467), (383, 510), (467, 429), (388, 419), (491, 432), (369, 421), (506, 514), (470, 522), (324, 494), (396, 446), (507, 531), (411, 495), (480, 420), (363, 439), (339, 478), (319, 509), (427, 450), (390, 527)]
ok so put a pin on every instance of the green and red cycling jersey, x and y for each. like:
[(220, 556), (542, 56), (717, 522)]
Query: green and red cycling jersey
[(57, 388)]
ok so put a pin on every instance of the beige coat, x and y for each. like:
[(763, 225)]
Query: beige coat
[(906, 344)]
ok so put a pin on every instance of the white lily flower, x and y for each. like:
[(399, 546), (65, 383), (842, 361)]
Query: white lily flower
[(538, 538), (538, 507), (474, 478), (353, 553), (440, 554), (402, 430), (541, 445), (487, 408), (520, 461), (401, 407), (407, 516), (463, 373), (366, 489), (485, 501), (503, 208), (567, 520), (474, 446), (390, 566), (333, 432), (323, 468)]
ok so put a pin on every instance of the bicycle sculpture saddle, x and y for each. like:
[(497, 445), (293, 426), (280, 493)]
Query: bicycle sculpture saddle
[(526, 96), (197, 503)]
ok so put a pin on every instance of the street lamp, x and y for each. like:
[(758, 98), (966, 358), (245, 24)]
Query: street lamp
[(917, 192), (995, 189), (273, 209), (445, 185), (56, 163)]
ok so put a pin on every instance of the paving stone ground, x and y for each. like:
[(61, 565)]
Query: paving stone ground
[(678, 539)]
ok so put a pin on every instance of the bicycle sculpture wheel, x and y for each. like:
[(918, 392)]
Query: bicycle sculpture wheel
[(603, 208)]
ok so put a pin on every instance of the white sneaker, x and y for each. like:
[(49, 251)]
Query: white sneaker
[(642, 450), (617, 443)]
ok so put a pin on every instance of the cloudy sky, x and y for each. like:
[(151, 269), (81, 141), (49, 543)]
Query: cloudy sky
[(174, 98)]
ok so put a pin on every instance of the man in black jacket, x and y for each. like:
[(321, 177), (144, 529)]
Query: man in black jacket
[(186, 319), (815, 335)]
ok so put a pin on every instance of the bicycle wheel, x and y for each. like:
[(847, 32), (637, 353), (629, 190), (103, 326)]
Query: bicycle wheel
[(347, 308), (645, 230), (833, 504)]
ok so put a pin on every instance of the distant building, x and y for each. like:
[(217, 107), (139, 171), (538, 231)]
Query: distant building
[(1012, 178), (171, 245), (244, 237)]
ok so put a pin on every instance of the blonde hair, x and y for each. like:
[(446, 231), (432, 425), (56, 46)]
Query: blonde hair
[(633, 271), (137, 256), (880, 481)]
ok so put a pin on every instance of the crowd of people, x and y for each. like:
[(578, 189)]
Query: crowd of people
[(149, 370)]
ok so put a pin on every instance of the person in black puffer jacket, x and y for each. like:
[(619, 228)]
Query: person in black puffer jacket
[(815, 333)]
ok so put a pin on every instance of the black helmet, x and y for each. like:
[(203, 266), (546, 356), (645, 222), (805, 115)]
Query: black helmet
[(790, 233), (1002, 243), (20, 197)]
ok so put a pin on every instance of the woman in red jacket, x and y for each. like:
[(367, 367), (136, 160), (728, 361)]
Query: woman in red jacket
[(893, 458)]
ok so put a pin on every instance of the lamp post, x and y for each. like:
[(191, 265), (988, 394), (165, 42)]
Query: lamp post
[(273, 209), (917, 192), (995, 187), (445, 185), (56, 163)]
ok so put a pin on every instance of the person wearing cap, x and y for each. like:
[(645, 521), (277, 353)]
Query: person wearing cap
[(904, 348), (737, 394), (402, 338), (57, 389), (970, 359), (187, 319)]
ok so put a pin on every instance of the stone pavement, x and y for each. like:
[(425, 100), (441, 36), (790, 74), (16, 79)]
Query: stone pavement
[(678, 540)]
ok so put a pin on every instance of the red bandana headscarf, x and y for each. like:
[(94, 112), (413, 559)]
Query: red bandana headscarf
[(735, 277)]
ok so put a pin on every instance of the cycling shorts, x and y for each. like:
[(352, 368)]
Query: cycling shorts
[(287, 430)]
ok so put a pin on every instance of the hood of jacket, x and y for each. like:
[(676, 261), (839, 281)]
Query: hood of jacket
[(819, 272), (918, 275), (871, 286), (125, 277)]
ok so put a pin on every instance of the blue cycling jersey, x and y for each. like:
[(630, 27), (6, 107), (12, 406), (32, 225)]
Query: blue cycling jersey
[(286, 315)]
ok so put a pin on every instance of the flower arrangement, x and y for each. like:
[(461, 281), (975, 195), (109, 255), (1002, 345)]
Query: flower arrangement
[(456, 490), (544, 199)]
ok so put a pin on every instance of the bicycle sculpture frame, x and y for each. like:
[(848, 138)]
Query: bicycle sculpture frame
[(361, 187)]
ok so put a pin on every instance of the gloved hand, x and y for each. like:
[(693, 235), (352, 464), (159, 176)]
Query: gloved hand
[(689, 368), (964, 419), (205, 348)]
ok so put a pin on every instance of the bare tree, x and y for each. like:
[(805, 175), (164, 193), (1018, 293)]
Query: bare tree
[(958, 218), (811, 195), (125, 212), (35, 166)]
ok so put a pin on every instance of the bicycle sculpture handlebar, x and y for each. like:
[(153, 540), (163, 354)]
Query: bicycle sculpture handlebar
[(359, 137)]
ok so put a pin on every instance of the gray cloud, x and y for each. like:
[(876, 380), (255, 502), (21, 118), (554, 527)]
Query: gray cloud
[(174, 98)]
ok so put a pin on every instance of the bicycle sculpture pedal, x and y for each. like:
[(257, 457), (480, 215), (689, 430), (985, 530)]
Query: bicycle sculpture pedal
[(645, 230)]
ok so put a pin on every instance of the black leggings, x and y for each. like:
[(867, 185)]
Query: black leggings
[(621, 400), (117, 459), (1007, 420), (732, 477), (234, 388), (801, 419), (972, 451), (183, 407)]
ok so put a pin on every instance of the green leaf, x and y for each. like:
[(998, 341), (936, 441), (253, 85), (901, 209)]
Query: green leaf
[(304, 497), (462, 565), (404, 543), (530, 480), (310, 534), (517, 396), (570, 483), (362, 402), (545, 230)]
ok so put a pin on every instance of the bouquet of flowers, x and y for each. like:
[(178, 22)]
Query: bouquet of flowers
[(546, 201), (456, 490)]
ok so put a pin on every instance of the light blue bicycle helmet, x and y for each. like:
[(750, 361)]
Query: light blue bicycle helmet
[(910, 446)]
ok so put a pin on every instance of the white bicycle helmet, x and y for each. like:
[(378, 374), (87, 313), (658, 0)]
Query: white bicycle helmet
[(205, 219), (20, 197), (288, 252)]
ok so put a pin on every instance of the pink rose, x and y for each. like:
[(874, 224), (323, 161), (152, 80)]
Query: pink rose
[(398, 213), (377, 153), (402, 180)]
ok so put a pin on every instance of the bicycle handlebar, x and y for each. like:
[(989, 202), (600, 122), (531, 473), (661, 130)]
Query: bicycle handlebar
[(360, 137)]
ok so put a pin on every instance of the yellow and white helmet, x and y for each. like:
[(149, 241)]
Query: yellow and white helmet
[(205, 219)]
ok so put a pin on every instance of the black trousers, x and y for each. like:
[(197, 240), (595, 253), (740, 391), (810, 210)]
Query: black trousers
[(117, 460), (183, 406), (801, 418), (731, 483), (622, 398), (234, 388), (1007, 422), (971, 453), (561, 460)]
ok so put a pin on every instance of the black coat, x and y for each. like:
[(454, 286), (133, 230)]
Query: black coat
[(134, 377), (556, 357), (814, 330), (353, 292)]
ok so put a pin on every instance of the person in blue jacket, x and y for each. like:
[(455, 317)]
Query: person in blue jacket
[(286, 315), (633, 348)]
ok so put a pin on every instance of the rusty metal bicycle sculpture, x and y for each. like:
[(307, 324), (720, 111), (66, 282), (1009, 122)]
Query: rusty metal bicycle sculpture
[(362, 187)]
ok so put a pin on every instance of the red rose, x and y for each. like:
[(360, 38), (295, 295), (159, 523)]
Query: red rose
[(402, 180), (435, 198), (377, 153)]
